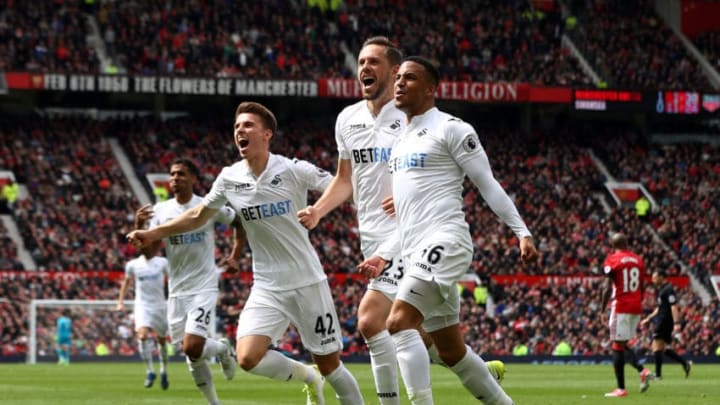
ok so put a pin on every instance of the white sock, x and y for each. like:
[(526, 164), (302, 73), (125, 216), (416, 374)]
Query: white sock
[(414, 365), (202, 376), (383, 360), (212, 348), (346, 387), (278, 367), (163, 354), (146, 353), (435, 355), (474, 375)]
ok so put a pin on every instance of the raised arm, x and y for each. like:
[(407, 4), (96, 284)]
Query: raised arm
[(339, 191), (187, 221)]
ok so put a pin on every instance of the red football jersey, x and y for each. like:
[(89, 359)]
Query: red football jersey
[(626, 270)]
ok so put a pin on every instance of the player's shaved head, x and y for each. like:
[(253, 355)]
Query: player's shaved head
[(618, 240)]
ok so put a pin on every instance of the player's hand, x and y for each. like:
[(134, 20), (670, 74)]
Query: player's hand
[(143, 214), (120, 306), (643, 322), (388, 205), (528, 252), (230, 264), (138, 238), (371, 267), (309, 217)]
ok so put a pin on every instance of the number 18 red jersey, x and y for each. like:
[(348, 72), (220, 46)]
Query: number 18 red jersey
[(626, 270)]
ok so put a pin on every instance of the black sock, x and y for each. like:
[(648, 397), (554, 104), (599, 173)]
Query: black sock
[(630, 354), (619, 366), (658, 364), (673, 355)]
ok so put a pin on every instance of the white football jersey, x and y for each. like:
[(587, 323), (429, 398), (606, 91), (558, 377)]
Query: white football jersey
[(149, 278), (283, 257), (429, 163), (192, 254), (367, 142)]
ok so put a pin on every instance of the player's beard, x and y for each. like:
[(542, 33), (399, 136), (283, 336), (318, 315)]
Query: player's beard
[(379, 91)]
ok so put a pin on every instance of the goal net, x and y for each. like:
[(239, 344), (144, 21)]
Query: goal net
[(99, 330)]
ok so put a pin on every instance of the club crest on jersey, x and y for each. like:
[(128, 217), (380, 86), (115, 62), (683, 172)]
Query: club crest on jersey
[(242, 186), (276, 181), (471, 143)]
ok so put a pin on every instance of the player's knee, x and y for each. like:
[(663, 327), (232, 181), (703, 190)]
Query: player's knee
[(248, 361), (192, 350), (370, 326), (327, 364)]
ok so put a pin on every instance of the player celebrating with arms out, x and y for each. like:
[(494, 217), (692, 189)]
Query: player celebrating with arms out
[(429, 163), (289, 285), (624, 271), (150, 310)]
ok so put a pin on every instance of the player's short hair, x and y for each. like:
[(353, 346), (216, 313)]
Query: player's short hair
[(618, 240), (393, 53), (67, 312), (428, 66), (660, 273), (191, 166), (266, 116)]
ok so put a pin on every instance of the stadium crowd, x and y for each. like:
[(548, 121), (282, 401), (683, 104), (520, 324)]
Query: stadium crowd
[(45, 36), (632, 48), (519, 41), (709, 44)]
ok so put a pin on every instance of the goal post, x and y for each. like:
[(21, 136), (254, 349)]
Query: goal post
[(36, 305)]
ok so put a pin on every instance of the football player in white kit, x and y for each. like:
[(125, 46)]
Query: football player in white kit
[(365, 133), (193, 278), (428, 164), (148, 272), (289, 285)]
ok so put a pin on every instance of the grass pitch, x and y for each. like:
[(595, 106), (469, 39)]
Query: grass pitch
[(122, 383)]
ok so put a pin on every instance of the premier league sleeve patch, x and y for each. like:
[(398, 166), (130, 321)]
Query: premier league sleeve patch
[(471, 143)]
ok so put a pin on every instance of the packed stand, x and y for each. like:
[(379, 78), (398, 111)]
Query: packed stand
[(483, 41), (629, 45), (709, 44), (45, 36), (8, 251), (77, 212), (684, 179), (250, 39)]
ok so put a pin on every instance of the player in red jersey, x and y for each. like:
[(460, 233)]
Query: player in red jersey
[(624, 288)]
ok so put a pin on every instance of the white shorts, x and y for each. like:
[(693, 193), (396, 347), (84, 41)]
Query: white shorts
[(153, 317), (311, 309), (623, 326), (387, 282), (192, 314), (433, 271)]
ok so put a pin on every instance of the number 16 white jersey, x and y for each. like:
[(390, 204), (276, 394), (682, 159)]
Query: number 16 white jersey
[(429, 163)]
